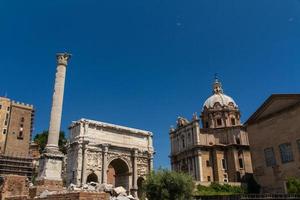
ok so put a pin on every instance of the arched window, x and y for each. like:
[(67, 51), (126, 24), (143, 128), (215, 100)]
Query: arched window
[(92, 178), (219, 122), (233, 121), (241, 159), (237, 140)]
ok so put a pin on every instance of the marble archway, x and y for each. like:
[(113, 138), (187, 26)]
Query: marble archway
[(118, 173)]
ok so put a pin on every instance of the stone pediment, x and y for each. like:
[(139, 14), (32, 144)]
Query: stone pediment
[(274, 104)]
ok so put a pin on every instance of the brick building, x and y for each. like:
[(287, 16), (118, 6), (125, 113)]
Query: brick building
[(16, 121), (217, 150), (275, 141)]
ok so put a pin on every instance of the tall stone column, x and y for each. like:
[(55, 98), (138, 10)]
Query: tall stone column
[(105, 164), (57, 102), (51, 160)]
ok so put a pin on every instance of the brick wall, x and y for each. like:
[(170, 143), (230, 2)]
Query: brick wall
[(19, 130), (67, 196), (77, 196), (14, 186)]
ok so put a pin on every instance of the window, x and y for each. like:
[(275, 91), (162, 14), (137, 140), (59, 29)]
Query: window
[(225, 178), (241, 160), (224, 164), (298, 143), (206, 125), (4, 131), (232, 121), (207, 163), (20, 136), (219, 122), (183, 142), (286, 152), (22, 119), (5, 123), (0, 107), (208, 178), (73, 175), (270, 157), (8, 108), (237, 140), (241, 163)]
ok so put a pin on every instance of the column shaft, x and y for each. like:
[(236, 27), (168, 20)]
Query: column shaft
[(104, 166), (84, 152), (57, 101)]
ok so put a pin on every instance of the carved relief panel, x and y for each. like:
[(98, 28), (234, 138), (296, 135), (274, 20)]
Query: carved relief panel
[(94, 161), (142, 166)]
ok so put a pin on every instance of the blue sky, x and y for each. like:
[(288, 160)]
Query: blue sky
[(142, 63)]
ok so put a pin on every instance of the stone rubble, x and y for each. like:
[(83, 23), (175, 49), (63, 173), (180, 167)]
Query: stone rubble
[(118, 193)]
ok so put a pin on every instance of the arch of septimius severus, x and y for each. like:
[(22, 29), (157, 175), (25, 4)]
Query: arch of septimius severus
[(97, 152), (110, 154)]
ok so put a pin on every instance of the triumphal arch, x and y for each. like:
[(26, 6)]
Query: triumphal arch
[(108, 154)]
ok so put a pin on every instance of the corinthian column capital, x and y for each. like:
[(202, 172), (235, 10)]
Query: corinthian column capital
[(62, 58)]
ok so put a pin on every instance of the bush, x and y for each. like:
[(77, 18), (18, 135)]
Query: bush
[(293, 186), (168, 185), (218, 189)]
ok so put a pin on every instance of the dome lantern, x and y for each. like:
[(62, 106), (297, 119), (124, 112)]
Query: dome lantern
[(219, 97)]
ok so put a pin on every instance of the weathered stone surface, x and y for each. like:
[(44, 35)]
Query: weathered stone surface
[(119, 191), (77, 196), (52, 159), (108, 154), (44, 184)]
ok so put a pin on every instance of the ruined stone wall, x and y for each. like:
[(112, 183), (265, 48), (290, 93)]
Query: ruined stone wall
[(77, 196), (14, 186), (67, 196)]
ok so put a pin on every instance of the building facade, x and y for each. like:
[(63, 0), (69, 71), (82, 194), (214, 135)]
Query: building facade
[(275, 141), (16, 124), (110, 154), (214, 147)]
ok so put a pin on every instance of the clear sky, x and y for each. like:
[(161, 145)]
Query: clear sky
[(141, 63)]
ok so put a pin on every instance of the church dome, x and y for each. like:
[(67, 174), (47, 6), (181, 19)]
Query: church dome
[(219, 97)]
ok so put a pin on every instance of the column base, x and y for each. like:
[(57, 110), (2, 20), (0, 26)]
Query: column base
[(50, 168), (42, 185), (49, 177)]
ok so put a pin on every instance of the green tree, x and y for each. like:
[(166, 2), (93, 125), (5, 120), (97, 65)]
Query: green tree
[(41, 140), (168, 185)]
